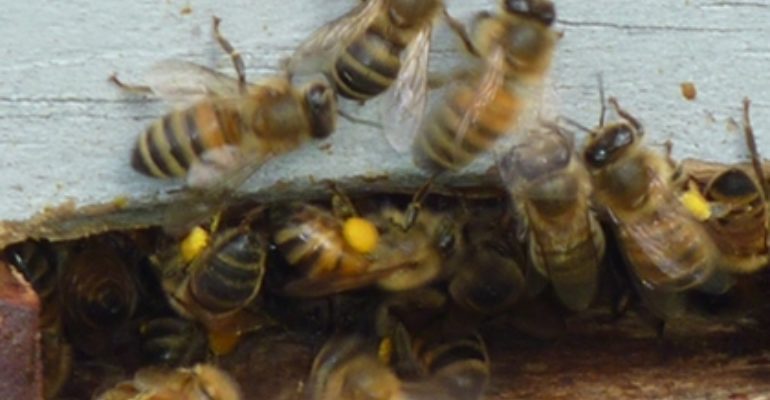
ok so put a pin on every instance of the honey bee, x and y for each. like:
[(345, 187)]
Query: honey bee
[(738, 198), (550, 189), (232, 127), (100, 293), (39, 262), (488, 276), (347, 369), (665, 246), (201, 382), (172, 341), (403, 249), (379, 46), (449, 367), (216, 285), (483, 104)]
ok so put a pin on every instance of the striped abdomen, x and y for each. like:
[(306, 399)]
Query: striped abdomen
[(741, 233), (174, 142), (369, 65), (440, 145), (38, 262), (458, 364), (232, 276), (742, 238), (569, 251), (172, 341), (667, 249), (311, 240)]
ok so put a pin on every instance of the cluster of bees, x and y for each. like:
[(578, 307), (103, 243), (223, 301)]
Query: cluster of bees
[(395, 286)]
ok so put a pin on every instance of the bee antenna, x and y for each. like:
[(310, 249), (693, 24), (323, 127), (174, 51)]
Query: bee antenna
[(575, 124), (752, 145), (600, 81)]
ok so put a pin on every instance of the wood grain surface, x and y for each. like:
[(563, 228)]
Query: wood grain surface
[(66, 133)]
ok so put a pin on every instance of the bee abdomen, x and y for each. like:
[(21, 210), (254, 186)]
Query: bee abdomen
[(231, 278), (676, 254), (574, 273), (442, 146), (367, 67), (172, 341), (172, 143), (312, 240), (460, 364), (742, 235), (38, 263)]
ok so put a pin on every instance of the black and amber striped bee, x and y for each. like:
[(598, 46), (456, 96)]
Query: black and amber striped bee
[(211, 278), (231, 125), (484, 102), (737, 196), (666, 247), (551, 193), (333, 251), (379, 47)]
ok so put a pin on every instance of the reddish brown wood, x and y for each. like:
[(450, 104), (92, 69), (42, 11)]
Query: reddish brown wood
[(20, 366)]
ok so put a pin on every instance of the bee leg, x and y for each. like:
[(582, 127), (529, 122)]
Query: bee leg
[(135, 89), (252, 215), (234, 55), (342, 206), (459, 29), (413, 209), (627, 116), (756, 161)]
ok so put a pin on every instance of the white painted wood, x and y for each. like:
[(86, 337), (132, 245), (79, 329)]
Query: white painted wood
[(66, 134)]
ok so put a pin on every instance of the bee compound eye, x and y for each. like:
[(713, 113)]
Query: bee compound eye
[(517, 6)]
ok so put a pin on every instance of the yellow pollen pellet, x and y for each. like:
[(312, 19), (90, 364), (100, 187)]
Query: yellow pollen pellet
[(360, 234), (194, 244), (385, 350), (696, 204)]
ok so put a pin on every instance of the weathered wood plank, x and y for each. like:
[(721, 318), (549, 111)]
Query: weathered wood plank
[(66, 133)]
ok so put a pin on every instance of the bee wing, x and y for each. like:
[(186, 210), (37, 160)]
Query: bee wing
[(226, 167), (701, 171), (182, 82), (211, 183), (332, 284), (488, 85), (405, 100), (328, 40)]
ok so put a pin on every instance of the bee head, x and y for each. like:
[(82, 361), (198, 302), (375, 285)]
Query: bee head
[(609, 143), (321, 103), (538, 157), (540, 10)]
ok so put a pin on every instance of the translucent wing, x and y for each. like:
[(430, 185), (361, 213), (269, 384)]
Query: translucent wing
[(654, 246), (182, 82), (490, 82), (226, 166), (332, 284), (327, 41), (211, 184), (702, 171), (405, 100)]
